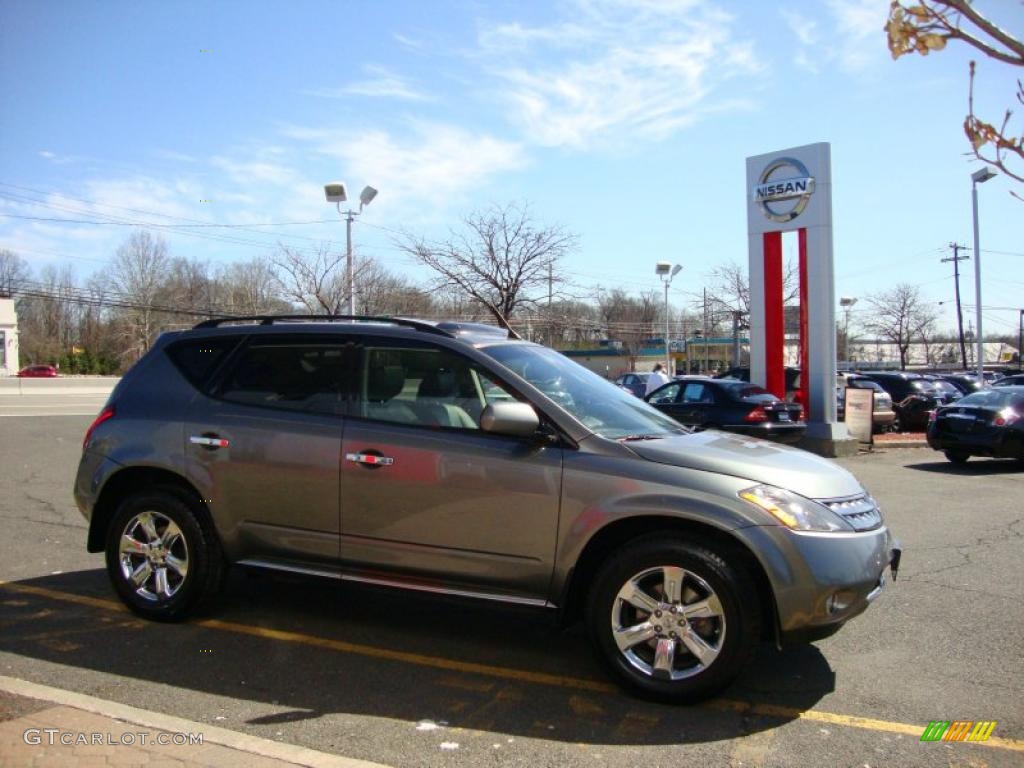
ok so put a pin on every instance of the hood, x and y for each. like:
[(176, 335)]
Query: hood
[(760, 461)]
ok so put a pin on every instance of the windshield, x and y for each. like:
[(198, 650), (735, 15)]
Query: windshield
[(600, 405)]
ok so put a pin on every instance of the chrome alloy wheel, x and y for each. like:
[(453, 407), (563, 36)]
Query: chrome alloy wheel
[(668, 623), (153, 555)]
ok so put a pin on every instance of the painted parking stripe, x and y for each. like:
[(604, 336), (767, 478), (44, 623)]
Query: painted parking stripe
[(488, 670)]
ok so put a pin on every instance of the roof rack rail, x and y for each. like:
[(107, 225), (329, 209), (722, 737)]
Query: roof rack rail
[(271, 319)]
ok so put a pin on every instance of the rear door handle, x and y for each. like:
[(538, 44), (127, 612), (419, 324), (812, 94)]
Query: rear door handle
[(370, 459), (209, 441)]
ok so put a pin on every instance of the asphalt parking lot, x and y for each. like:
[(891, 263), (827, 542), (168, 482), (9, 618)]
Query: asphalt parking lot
[(415, 681)]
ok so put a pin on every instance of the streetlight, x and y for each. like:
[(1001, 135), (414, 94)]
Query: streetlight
[(978, 177), (846, 302), (337, 193), (666, 272)]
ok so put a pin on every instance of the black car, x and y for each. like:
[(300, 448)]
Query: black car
[(987, 423), (967, 383), (732, 405), (913, 397), (1015, 380), (743, 374)]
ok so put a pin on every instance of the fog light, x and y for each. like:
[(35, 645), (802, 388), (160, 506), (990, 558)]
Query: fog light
[(839, 601)]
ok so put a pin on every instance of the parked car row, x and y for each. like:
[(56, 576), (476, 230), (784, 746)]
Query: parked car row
[(903, 400)]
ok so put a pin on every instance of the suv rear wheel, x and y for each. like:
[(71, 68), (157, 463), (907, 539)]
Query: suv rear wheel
[(673, 620), (160, 557)]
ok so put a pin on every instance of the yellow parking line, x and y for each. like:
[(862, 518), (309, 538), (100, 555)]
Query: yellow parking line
[(541, 678)]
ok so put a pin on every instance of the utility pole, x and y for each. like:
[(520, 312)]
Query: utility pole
[(707, 354), (956, 258), (736, 338)]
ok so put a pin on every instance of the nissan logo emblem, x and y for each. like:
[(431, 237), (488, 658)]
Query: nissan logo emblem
[(774, 188)]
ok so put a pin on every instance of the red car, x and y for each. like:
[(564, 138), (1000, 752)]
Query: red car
[(38, 372)]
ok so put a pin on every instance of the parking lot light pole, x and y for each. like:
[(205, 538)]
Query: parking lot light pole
[(846, 302), (978, 177), (336, 192), (666, 272)]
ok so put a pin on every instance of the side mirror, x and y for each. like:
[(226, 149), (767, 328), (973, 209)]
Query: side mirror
[(514, 419)]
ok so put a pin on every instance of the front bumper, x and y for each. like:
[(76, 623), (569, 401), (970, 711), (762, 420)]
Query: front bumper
[(822, 580)]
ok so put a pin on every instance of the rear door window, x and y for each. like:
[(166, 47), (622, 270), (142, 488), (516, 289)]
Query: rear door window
[(310, 375)]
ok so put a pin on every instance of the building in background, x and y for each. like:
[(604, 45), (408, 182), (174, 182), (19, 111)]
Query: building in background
[(8, 338)]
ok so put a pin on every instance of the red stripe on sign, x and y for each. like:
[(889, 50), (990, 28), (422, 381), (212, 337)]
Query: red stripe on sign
[(774, 338), (805, 370)]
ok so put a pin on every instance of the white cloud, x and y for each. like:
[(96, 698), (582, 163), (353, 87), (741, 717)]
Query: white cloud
[(620, 69), (249, 172), (434, 163), (805, 29), (382, 84), (855, 36), (859, 28)]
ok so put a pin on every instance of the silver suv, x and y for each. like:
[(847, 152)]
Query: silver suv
[(453, 458)]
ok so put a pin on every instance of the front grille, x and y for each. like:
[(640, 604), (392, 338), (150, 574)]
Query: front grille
[(861, 512)]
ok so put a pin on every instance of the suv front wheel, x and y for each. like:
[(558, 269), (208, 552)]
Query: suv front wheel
[(673, 620), (161, 559)]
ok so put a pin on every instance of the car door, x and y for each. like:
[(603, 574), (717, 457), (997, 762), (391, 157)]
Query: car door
[(427, 495), (697, 400), (267, 441), (667, 399)]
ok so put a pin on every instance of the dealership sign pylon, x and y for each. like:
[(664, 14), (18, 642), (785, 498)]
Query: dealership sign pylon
[(791, 190)]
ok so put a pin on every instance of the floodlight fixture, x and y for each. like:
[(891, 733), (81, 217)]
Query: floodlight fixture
[(366, 196), (982, 175), (336, 192)]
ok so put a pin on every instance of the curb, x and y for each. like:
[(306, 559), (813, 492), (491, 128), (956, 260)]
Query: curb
[(212, 734)]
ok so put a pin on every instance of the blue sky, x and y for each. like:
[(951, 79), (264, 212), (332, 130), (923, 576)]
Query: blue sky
[(627, 121)]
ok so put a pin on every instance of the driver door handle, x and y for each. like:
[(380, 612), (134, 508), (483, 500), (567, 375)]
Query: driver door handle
[(370, 459)]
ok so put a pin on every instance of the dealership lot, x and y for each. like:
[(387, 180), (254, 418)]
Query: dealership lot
[(408, 681)]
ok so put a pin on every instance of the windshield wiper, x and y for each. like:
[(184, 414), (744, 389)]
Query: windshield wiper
[(641, 437)]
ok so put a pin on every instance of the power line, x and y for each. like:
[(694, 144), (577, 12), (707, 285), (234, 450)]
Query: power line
[(170, 226)]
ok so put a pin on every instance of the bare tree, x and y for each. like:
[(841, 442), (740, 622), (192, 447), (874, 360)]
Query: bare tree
[(731, 286), (502, 260), (314, 279), (14, 272), (138, 275), (384, 293), (249, 288), (900, 316), (629, 319), (926, 26)]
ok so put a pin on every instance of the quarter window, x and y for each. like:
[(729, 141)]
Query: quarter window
[(198, 358)]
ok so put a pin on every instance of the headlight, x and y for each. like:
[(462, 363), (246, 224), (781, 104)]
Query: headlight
[(794, 511)]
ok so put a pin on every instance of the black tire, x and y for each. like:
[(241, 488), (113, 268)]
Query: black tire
[(958, 457), (194, 543), (897, 423), (734, 635)]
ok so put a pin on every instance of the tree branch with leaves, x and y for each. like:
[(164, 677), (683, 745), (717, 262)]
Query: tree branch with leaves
[(927, 26)]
